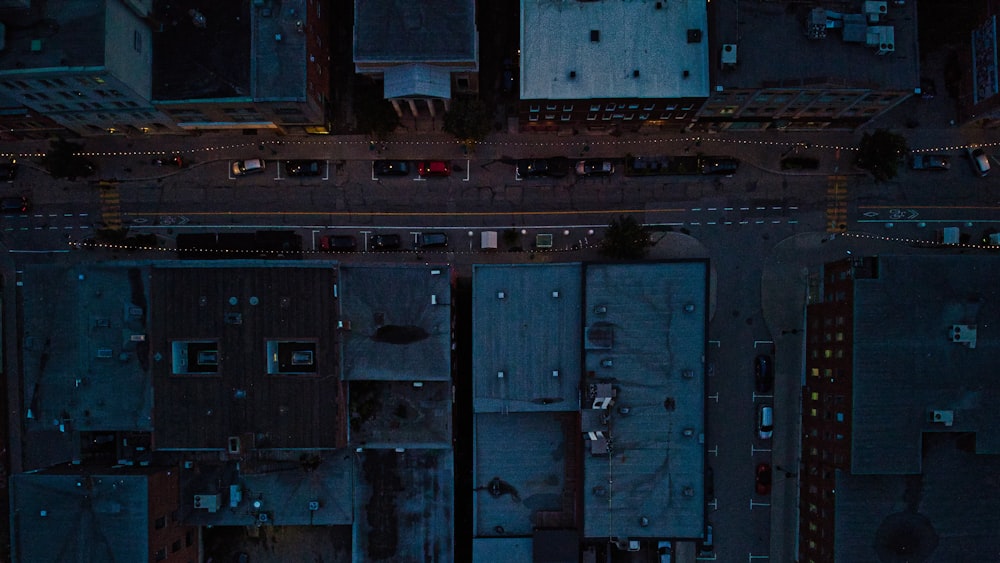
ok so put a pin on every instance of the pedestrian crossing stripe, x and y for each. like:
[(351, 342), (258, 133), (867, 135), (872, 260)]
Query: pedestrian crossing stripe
[(836, 205)]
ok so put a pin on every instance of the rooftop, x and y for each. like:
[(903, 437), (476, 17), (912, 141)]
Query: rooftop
[(246, 347), (404, 505), (279, 58), (948, 513), (637, 49), (906, 365), (767, 34), (205, 50), (392, 414), (102, 516), (83, 357), (284, 485), (526, 468), (645, 339), (526, 319), (62, 33), (431, 31), (397, 322)]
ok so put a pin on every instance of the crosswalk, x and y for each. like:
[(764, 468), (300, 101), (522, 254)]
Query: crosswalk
[(111, 206), (836, 204)]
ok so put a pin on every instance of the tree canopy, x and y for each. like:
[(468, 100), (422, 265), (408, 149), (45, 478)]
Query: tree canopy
[(62, 160), (881, 152), (625, 239), (468, 119)]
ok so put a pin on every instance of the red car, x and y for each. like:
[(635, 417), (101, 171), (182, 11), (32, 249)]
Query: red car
[(433, 168), (763, 479)]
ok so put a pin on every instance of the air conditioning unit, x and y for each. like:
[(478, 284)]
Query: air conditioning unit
[(946, 418), (209, 502)]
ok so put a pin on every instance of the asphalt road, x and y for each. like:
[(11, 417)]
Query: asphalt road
[(764, 231)]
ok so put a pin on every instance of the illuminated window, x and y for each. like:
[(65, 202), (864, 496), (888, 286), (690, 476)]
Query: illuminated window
[(840, 337), (814, 372), (827, 353), (812, 412), (815, 396)]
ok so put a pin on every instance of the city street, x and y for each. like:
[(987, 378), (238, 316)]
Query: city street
[(766, 232)]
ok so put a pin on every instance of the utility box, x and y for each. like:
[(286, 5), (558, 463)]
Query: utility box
[(489, 240)]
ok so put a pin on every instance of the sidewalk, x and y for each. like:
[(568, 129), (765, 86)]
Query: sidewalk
[(744, 145)]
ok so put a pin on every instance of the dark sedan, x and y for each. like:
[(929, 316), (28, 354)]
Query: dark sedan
[(303, 167), (386, 242), (763, 374), (391, 168)]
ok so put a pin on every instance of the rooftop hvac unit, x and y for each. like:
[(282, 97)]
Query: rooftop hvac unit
[(882, 37), (874, 10), (964, 334), (209, 502), (728, 58), (943, 417)]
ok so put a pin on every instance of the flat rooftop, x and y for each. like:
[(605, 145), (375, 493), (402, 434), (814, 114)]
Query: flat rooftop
[(906, 365), (948, 513), (606, 43), (66, 33), (399, 320), (526, 468), (84, 366), (645, 340), (398, 31), (391, 414), (209, 57), (404, 505), (95, 512), (526, 325), (773, 49), (245, 347), (279, 58), (284, 485)]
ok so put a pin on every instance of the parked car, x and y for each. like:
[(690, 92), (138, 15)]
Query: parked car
[(433, 168), (765, 422), (706, 546), (665, 550), (8, 170), (338, 243), (303, 167), (930, 162), (172, 160), (595, 168), (719, 165), (762, 481), (556, 167), (386, 242), (15, 204), (763, 375), (248, 166), (980, 162), (432, 240), (391, 168)]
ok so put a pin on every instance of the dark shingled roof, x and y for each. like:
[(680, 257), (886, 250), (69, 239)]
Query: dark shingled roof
[(240, 309)]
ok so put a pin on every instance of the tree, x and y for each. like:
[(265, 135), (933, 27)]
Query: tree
[(468, 119), (375, 115), (625, 239), (881, 152), (62, 160)]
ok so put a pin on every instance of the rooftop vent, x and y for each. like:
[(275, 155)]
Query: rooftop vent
[(728, 55), (694, 35), (964, 335), (635, 73), (595, 35), (207, 502), (572, 74)]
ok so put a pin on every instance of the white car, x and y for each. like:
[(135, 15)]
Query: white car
[(248, 166), (980, 162)]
